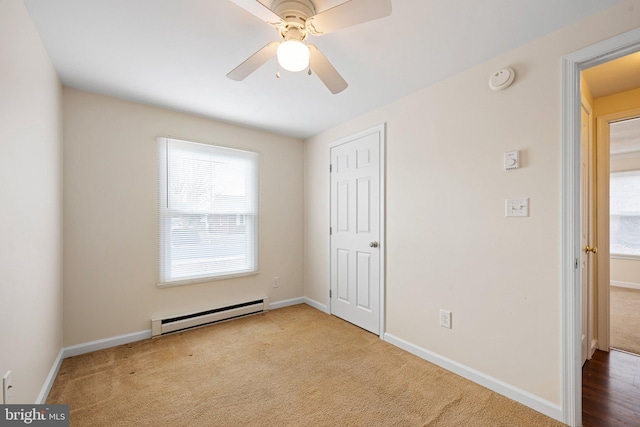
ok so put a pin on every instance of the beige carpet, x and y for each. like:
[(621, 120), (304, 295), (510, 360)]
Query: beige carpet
[(625, 319), (290, 367)]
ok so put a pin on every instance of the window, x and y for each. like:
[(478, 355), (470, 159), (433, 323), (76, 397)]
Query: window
[(208, 198), (625, 213)]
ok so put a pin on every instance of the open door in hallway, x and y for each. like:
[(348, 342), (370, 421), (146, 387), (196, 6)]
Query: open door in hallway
[(587, 260)]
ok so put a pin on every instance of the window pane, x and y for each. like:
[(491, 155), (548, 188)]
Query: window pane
[(625, 213), (625, 193), (190, 184), (208, 244)]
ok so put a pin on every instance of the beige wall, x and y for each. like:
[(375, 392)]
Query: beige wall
[(449, 244), (625, 271), (110, 201), (30, 205), (622, 270)]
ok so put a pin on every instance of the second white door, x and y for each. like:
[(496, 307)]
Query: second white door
[(355, 230)]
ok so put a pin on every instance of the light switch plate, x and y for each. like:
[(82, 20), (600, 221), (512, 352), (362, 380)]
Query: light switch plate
[(517, 207)]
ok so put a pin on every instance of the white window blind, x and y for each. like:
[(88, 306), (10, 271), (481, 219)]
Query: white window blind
[(624, 210), (208, 198)]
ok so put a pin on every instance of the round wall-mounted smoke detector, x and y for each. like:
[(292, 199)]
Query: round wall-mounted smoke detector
[(502, 79)]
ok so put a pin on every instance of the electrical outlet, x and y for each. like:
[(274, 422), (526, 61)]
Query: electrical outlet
[(445, 319), (276, 282), (7, 388)]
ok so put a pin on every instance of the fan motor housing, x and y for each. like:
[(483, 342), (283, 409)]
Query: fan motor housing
[(294, 12)]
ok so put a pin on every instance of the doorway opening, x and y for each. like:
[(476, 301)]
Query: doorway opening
[(612, 90), (572, 297)]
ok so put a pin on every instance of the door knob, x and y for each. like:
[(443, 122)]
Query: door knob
[(593, 250), (373, 244)]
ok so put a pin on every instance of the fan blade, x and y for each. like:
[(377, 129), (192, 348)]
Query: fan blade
[(327, 73), (261, 11), (348, 14), (254, 62)]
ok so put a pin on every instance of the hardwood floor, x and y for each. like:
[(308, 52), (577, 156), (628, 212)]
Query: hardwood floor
[(611, 390)]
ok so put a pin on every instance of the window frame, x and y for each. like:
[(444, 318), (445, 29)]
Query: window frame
[(164, 217)]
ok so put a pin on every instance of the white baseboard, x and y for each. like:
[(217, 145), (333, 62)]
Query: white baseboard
[(548, 408), (316, 305), (628, 285), (594, 347), (286, 303), (514, 393), (48, 383), (90, 346)]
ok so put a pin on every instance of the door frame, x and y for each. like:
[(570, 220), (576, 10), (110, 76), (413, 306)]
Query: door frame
[(572, 65), (381, 129)]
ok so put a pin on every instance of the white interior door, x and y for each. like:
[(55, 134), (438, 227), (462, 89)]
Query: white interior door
[(355, 233), (587, 263)]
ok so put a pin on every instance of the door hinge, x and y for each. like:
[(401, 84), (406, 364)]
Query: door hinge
[(330, 231), (330, 168), (329, 293), (575, 263)]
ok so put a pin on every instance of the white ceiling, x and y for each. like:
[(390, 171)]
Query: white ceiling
[(176, 53)]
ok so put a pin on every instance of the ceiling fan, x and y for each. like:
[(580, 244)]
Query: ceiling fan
[(295, 20)]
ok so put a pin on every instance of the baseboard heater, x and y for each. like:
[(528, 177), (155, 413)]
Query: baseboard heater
[(193, 320)]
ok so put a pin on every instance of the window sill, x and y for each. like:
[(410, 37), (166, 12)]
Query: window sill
[(627, 257), (205, 279)]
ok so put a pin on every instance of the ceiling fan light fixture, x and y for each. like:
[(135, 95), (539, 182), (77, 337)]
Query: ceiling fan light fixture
[(293, 55)]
